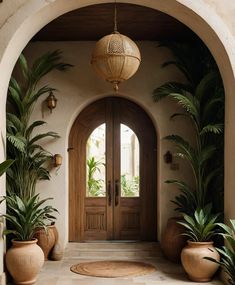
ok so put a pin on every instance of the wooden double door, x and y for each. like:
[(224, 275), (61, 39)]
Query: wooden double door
[(112, 173)]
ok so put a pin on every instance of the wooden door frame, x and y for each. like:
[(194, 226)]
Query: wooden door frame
[(76, 198)]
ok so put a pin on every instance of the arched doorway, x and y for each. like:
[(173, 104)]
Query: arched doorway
[(112, 172)]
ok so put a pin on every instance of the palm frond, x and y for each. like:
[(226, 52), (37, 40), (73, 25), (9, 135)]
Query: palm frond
[(186, 149), (24, 67), (212, 129), (205, 154), (17, 141), (188, 102), (14, 84), (168, 88), (47, 63), (15, 99), (32, 127), (43, 136), (32, 97), (205, 84), (5, 165), (14, 123)]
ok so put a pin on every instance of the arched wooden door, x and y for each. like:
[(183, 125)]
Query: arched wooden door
[(112, 196)]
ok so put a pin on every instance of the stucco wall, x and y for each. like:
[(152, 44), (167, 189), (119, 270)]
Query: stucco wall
[(79, 86), (212, 20)]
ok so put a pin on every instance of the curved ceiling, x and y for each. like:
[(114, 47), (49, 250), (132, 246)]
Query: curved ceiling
[(93, 22)]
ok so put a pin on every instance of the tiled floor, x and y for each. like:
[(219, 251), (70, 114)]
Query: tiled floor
[(58, 272)]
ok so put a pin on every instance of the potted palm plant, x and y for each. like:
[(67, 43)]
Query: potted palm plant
[(227, 252), (25, 258), (200, 228), (32, 161), (201, 98)]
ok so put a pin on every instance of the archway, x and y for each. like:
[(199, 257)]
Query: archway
[(34, 14)]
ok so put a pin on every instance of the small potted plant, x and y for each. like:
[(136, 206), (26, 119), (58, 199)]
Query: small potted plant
[(200, 228), (25, 258), (227, 252)]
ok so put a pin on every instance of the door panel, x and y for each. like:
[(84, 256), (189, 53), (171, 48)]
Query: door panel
[(95, 219), (126, 209), (83, 211)]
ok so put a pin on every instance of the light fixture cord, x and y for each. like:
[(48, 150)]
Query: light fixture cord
[(115, 16)]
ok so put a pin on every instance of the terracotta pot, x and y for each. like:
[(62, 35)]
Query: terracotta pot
[(198, 268), (172, 241), (57, 250), (46, 240), (24, 260), (55, 233)]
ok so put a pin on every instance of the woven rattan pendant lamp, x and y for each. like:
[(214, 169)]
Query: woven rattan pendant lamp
[(115, 57)]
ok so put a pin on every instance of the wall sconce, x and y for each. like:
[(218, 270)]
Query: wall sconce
[(168, 157), (51, 101), (57, 160)]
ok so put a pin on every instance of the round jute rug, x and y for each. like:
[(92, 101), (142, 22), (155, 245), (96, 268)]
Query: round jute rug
[(113, 268)]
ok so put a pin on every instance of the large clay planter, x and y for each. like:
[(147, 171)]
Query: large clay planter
[(46, 239), (24, 260), (57, 251), (198, 268), (172, 241)]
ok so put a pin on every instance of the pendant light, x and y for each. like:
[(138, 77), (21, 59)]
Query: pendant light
[(115, 57)]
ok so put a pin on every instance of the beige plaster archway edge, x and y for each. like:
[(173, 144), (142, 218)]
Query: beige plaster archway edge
[(32, 15)]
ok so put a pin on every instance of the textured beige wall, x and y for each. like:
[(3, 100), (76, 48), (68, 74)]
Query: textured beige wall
[(79, 86), (8, 8), (226, 10)]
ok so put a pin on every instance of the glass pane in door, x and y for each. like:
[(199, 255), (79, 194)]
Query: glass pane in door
[(95, 154), (129, 163)]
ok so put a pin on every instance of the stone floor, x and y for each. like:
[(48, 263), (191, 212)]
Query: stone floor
[(58, 272)]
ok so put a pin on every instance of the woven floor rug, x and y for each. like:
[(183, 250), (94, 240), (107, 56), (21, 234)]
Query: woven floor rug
[(113, 268)]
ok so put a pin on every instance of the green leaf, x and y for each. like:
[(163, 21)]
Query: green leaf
[(15, 98), (43, 136), (214, 129), (17, 141), (205, 84), (26, 215), (24, 66), (168, 88), (32, 127), (5, 165)]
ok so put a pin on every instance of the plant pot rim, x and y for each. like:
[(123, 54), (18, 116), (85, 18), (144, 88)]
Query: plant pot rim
[(46, 226), (195, 243), (32, 241)]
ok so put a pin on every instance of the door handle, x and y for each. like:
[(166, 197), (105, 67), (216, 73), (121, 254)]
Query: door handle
[(116, 192), (109, 193)]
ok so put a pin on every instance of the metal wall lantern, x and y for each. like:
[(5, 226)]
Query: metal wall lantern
[(51, 101), (168, 157), (57, 160), (115, 57)]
